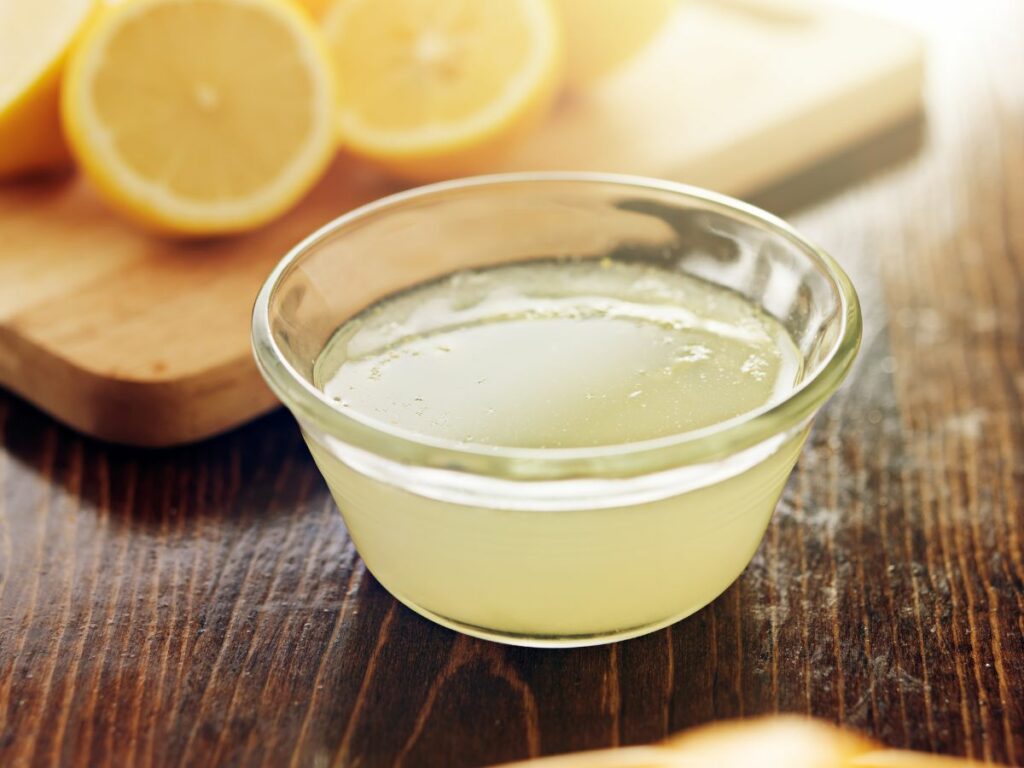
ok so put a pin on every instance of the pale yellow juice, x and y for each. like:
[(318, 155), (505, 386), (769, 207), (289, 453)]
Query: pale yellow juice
[(560, 355)]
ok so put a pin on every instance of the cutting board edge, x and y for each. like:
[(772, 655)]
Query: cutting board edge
[(135, 412)]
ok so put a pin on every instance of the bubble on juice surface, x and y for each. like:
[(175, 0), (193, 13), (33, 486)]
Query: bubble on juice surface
[(692, 353)]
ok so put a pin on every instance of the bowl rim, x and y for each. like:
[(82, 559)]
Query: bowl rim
[(715, 442)]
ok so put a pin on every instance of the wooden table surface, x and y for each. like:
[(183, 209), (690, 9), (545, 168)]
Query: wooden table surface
[(204, 605)]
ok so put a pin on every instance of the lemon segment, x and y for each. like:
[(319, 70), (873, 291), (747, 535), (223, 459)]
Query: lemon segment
[(201, 117), (434, 88), (35, 36)]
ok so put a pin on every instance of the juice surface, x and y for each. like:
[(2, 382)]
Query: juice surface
[(558, 354)]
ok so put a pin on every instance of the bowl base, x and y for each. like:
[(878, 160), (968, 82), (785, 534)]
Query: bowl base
[(546, 641)]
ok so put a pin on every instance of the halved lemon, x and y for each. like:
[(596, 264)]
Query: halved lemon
[(436, 88), (201, 116), (35, 36), (603, 35)]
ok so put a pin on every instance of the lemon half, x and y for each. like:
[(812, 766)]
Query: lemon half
[(35, 36), (435, 88), (601, 36), (201, 116)]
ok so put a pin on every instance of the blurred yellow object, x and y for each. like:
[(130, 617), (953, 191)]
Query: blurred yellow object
[(439, 88), (201, 117), (776, 742), (315, 7), (602, 35), (35, 36), (767, 742)]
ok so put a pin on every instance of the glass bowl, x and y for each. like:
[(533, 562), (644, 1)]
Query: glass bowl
[(567, 546)]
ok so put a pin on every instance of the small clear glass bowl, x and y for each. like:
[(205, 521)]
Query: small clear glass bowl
[(555, 547)]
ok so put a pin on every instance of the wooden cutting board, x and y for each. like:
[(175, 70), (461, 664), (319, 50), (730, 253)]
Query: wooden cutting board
[(145, 341)]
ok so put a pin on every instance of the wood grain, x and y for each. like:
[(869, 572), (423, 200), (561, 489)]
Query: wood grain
[(146, 342), (203, 605)]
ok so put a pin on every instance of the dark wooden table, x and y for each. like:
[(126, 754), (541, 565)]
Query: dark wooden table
[(204, 605)]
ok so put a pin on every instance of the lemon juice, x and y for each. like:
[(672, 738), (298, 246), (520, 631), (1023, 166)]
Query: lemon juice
[(548, 356)]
